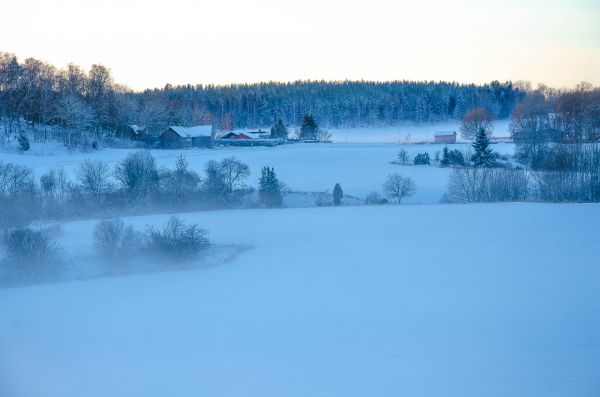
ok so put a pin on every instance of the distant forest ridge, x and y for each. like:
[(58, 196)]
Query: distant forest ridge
[(91, 100)]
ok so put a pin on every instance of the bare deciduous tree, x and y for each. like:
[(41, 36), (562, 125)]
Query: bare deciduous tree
[(397, 187), (235, 172), (93, 177), (474, 121)]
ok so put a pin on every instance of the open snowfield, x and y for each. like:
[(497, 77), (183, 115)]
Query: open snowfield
[(359, 168), (430, 300)]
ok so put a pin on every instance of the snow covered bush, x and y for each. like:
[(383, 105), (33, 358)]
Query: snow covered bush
[(422, 159), (473, 185), (113, 239), (222, 178), (567, 186), (19, 202), (138, 176), (176, 240), (30, 255), (180, 185), (93, 177), (375, 198)]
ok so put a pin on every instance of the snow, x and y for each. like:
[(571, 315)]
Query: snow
[(360, 168), (429, 300), (193, 132)]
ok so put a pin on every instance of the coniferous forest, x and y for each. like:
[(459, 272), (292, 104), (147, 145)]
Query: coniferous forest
[(91, 100)]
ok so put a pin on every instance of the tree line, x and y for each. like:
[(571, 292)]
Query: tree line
[(136, 184), (91, 101)]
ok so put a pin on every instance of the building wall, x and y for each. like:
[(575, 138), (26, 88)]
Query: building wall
[(445, 139), (202, 141), (170, 139)]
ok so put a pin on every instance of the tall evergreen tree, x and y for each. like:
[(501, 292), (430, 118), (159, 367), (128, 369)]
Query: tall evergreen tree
[(483, 152), (445, 161), (279, 130), (338, 194), (269, 188), (309, 129)]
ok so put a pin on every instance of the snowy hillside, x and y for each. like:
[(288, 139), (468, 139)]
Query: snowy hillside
[(452, 300)]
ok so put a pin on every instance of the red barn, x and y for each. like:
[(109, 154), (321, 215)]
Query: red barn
[(444, 137)]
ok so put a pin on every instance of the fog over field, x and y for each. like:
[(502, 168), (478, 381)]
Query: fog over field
[(316, 198), (347, 301)]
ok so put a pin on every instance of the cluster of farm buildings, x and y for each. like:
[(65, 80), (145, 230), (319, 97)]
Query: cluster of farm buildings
[(202, 136), (206, 136)]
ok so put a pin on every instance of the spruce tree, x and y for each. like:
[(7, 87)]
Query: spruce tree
[(279, 130), (445, 161), (23, 142), (483, 152), (269, 188), (338, 194), (309, 129)]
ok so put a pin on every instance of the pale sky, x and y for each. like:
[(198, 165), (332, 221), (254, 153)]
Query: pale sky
[(150, 43)]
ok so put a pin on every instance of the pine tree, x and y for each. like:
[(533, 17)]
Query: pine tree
[(422, 159), (309, 129), (445, 161), (269, 188), (279, 130), (483, 153), (23, 142), (338, 194)]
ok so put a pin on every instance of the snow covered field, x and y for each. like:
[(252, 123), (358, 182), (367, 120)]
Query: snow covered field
[(359, 168), (429, 300)]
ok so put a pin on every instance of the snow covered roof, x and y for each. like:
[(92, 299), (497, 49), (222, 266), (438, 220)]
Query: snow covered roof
[(136, 128), (193, 132), (444, 133)]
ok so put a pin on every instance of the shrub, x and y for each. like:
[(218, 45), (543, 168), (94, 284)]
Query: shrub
[(422, 159), (177, 240), (113, 239), (472, 185), (567, 186), (30, 254), (19, 202), (93, 177), (138, 175), (375, 198), (181, 184)]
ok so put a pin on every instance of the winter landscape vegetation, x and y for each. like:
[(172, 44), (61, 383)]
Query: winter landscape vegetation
[(308, 237)]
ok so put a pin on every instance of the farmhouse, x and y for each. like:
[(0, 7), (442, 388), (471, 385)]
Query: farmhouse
[(444, 137), (229, 135), (177, 136), (244, 135)]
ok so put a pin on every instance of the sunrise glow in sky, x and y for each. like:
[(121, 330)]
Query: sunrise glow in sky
[(151, 43)]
